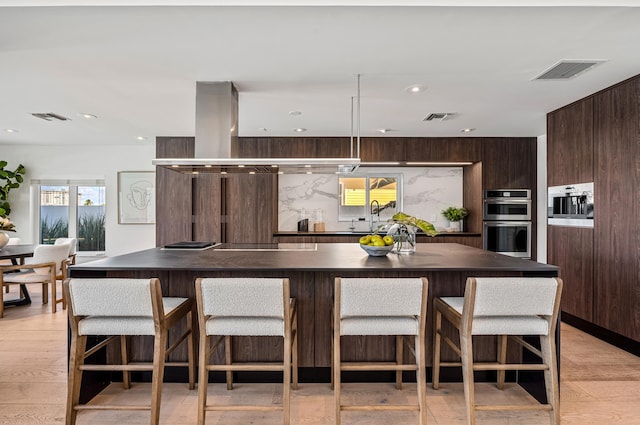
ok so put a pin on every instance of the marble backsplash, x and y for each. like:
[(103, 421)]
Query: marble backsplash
[(426, 192)]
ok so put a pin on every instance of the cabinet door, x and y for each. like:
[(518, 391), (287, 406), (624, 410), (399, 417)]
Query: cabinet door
[(616, 208), (570, 144), (444, 149), (509, 163), (250, 208), (571, 249)]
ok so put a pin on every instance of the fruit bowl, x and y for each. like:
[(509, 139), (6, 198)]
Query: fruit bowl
[(377, 251)]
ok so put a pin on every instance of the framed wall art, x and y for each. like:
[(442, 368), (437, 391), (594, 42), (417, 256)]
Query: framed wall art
[(136, 197)]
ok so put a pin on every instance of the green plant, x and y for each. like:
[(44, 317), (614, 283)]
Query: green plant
[(50, 232), (91, 233), (9, 180), (455, 213)]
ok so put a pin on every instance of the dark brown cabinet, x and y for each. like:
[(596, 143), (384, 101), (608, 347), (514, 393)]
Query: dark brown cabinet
[(382, 149), (444, 149), (617, 202), (570, 144), (509, 163), (598, 139)]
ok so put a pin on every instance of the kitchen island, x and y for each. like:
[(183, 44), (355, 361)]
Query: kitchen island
[(311, 269)]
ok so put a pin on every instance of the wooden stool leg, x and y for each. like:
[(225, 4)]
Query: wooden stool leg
[(336, 374), (126, 375), (548, 350), (203, 376), (421, 377), (466, 347), (54, 299), (191, 317), (78, 347), (436, 350), (45, 293), (286, 380), (399, 355), (159, 350), (227, 357), (502, 359), (294, 354)]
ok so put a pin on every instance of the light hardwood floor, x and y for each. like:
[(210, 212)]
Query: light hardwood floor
[(599, 385)]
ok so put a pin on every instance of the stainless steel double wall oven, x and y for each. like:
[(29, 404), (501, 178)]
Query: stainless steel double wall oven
[(507, 221)]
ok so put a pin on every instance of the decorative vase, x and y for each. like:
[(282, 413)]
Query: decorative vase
[(455, 226), (404, 237), (4, 240)]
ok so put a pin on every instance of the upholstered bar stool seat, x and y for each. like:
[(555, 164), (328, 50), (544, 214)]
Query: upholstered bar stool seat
[(117, 308), (508, 308), (253, 307), (381, 306)]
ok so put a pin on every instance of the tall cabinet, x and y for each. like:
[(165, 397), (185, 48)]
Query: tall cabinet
[(598, 139)]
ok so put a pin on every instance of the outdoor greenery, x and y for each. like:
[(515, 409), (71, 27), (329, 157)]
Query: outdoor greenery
[(91, 232), (52, 231), (9, 180)]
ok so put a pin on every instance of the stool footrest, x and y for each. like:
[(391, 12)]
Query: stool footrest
[(376, 366), (110, 407), (365, 407), (244, 407), (247, 367), (546, 407)]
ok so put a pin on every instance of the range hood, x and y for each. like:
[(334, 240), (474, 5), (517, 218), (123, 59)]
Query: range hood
[(216, 139)]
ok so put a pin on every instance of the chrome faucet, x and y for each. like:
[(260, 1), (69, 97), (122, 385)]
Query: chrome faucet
[(375, 212)]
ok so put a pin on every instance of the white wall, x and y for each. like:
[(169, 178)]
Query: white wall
[(542, 199), (81, 162)]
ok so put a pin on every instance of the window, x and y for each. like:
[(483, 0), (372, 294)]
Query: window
[(74, 209), (369, 197)]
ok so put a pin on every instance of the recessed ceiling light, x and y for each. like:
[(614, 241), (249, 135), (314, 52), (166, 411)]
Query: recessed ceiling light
[(87, 116), (416, 88), (299, 130), (295, 113), (467, 130), (384, 130), (262, 128), (141, 138), (11, 130)]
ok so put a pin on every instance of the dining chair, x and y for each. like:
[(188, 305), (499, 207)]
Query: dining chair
[(117, 308), (45, 267), (73, 246), (12, 241), (256, 307), (509, 308), (381, 306)]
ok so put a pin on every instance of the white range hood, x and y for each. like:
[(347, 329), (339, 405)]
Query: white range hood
[(217, 133)]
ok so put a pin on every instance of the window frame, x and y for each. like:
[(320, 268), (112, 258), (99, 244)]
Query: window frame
[(367, 176)]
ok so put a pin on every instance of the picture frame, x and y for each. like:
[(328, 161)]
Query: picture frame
[(136, 197)]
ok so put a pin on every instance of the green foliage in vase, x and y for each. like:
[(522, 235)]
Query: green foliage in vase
[(407, 220)]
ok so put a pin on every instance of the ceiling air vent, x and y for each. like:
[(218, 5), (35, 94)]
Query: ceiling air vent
[(566, 69), (50, 116), (438, 116)]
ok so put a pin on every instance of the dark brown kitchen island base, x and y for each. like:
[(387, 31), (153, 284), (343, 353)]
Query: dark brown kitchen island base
[(311, 271)]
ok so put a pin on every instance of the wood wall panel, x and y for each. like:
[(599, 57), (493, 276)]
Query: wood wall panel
[(571, 248), (375, 149), (509, 163), (472, 197), (617, 203), (570, 144), (173, 192), (207, 203), (251, 208), (444, 149)]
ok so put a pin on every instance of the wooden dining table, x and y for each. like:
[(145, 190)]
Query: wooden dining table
[(17, 254)]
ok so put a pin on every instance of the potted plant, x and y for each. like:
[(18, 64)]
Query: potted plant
[(5, 226), (8, 180), (402, 228), (455, 216)]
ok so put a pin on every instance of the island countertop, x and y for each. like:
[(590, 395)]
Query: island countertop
[(327, 257)]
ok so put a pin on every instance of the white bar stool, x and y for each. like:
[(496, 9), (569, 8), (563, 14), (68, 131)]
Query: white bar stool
[(506, 307), (117, 308), (245, 307), (381, 306)]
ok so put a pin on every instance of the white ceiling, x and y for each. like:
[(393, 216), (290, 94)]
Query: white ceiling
[(136, 67)]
